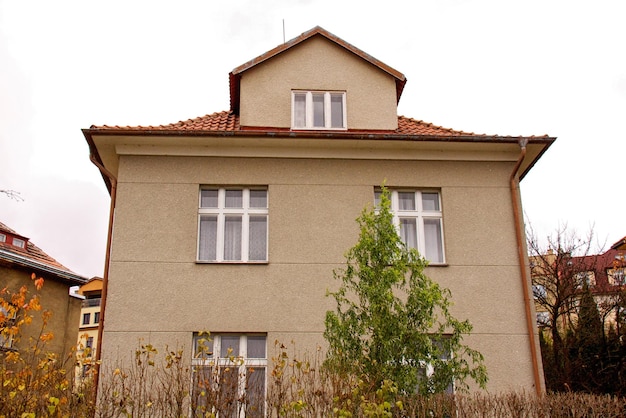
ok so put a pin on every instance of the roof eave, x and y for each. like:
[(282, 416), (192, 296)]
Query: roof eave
[(62, 275)]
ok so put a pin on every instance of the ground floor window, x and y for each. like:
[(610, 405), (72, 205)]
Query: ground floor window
[(229, 374)]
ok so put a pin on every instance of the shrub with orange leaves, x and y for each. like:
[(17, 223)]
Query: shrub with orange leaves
[(35, 382)]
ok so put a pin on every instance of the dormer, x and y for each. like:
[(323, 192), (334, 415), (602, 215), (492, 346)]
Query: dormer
[(316, 82), (14, 240)]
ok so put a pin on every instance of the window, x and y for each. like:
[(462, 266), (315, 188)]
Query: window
[(229, 369), (543, 319), (7, 320), (89, 342), (616, 276), (96, 317), (583, 277), (3, 238), (417, 214), (318, 110), (19, 242), (539, 291), (232, 225), (86, 318)]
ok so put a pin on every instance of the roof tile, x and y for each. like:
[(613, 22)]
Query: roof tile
[(229, 122), (31, 251)]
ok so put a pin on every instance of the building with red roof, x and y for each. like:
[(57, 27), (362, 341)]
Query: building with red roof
[(233, 222), (20, 259)]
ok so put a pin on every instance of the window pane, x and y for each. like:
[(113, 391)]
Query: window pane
[(406, 200), (208, 238), (432, 235), (255, 392), (408, 231), (256, 346), (430, 201), (208, 198), (228, 391), (336, 110), (203, 346), (377, 197), (318, 110), (232, 342), (258, 198), (258, 238), (232, 238), (234, 198), (299, 111)]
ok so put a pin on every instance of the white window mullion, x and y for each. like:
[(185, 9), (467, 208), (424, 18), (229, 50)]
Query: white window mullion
[(327, 112)]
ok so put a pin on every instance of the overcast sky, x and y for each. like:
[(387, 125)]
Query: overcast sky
[(495, 67)]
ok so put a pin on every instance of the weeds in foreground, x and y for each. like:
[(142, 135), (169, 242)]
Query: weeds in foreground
[(36, 383)]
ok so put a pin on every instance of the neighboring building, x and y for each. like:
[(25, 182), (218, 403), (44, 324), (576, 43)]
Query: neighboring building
[(233, 222), (19, 259), (559, 275), (88, 323)]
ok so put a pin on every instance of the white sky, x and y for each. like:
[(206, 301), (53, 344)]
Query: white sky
[(495, 67)]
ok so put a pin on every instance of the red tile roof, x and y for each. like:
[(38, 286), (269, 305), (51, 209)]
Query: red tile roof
[(33, 254), (229, 122)]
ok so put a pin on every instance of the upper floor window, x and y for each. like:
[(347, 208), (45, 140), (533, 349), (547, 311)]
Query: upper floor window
[(318, 110), (19, 242), (232, 224), (3, 238), (418, 216), (616, 276), (86, 318)]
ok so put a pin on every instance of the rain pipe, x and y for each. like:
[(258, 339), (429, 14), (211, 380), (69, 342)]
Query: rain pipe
[(519, 233), (105, 279)]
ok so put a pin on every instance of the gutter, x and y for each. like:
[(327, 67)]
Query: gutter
[(112, 181), (519, 234), (73, 278)]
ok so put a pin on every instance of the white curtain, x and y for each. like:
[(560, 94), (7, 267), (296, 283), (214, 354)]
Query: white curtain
[(258, 238), (432, 235), (232, 238), (208, 238), (408, 231)]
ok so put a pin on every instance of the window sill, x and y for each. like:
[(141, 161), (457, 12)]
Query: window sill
[(233, 262), (438, 265)]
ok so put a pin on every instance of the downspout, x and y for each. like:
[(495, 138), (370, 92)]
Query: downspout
[(105, 279), (519, 233)]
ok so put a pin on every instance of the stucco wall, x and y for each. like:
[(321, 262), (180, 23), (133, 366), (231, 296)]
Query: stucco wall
[(54, 296), (158, 292), (318, 65)]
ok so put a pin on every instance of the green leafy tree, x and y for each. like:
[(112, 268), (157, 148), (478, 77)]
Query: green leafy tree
[(392, 323)]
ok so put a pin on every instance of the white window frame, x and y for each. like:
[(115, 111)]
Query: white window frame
[(20, 243), (616, 276), (209, 357), (420, 215), (6, 340), (309, 110), (222, 212), (3, 238)]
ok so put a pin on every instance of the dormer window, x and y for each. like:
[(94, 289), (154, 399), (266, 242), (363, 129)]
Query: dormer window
[(318, 110), (20, 243), (3, 238)]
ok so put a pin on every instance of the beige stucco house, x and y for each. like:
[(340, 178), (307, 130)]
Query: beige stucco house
[(233, 222)]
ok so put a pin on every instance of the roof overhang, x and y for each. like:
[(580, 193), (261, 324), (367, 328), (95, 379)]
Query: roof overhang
[(107, 145), (64, 276)]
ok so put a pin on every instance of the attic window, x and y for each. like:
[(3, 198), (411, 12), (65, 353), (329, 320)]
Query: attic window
[(19, 242), (318, 110), (3, 238)]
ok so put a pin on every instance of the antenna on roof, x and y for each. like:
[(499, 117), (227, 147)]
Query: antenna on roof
[(284, 31)]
